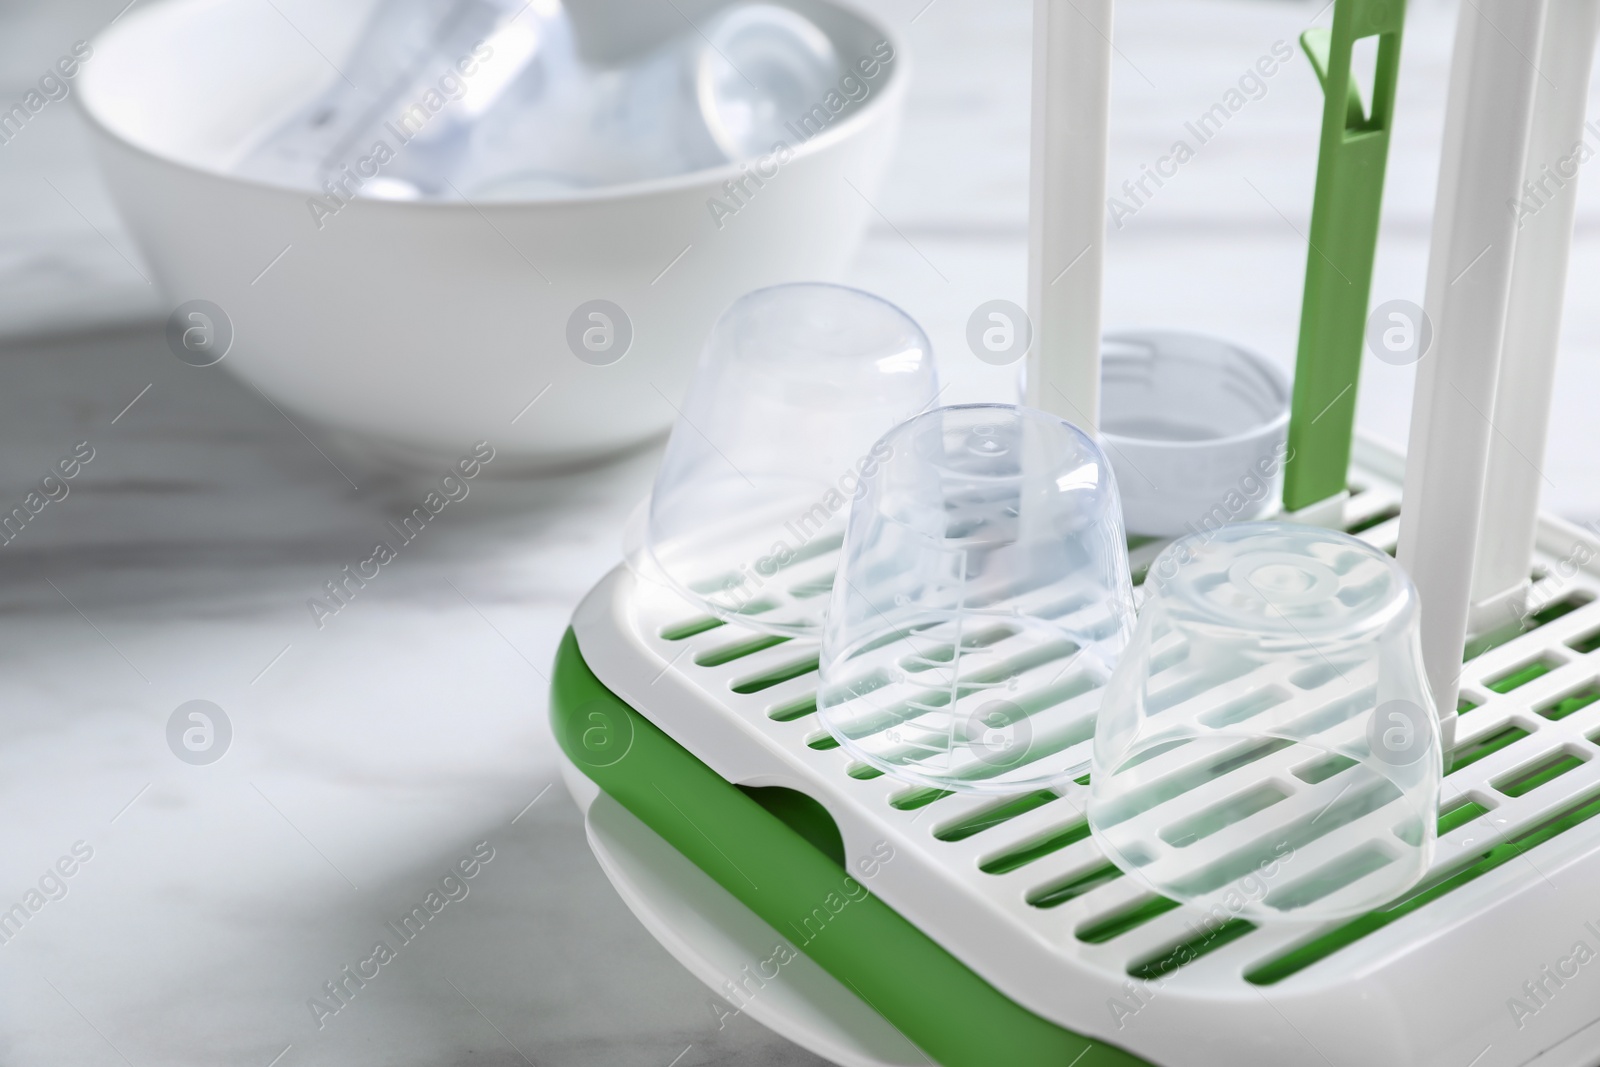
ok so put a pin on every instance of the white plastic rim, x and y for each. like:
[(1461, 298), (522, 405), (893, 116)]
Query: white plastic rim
[(1196, 428), (717, 939)]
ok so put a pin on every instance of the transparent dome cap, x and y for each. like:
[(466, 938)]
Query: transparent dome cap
[(1268, 748), (778, 433), (983, 598), (762, 65)]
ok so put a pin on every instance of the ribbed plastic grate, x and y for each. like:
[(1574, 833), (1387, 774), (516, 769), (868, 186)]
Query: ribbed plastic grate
[(1524, 774)]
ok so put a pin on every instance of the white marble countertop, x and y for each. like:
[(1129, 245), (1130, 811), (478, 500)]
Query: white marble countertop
[(369, 756)]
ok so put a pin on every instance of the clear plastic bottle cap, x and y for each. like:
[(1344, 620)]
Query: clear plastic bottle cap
[(1268, 747), (777, 435), (761, 66), (982, 600)]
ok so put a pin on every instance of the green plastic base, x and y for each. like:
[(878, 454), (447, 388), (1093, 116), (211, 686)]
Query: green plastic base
[(776, 852)]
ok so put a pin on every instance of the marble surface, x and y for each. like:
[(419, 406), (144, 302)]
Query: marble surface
[(370, 755)]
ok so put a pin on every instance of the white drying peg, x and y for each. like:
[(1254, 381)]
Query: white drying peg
[(1545, 208), (1469, 283), (1066, 214)]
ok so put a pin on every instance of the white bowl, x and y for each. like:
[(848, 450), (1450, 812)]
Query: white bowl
[(419, 328), (1196, 428)]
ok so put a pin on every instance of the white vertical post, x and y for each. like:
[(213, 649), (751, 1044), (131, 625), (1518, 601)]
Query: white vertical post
[(1469, 284), (1071, 98), (1544, 209)]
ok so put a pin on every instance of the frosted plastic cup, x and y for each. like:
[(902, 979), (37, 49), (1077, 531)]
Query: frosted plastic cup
[(777, 435), (1268, 748), (982, 600), (1197, 429)]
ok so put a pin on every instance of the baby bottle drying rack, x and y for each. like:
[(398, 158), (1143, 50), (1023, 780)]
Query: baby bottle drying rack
[(881, 924)]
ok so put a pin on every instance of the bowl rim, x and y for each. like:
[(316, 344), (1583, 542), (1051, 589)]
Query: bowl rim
[(1261, 431), (871, 111)]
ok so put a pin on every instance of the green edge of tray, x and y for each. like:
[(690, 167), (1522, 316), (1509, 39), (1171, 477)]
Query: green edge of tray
[(766, 853)]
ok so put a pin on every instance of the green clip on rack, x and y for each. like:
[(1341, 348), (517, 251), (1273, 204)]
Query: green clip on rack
[(1344, 239)]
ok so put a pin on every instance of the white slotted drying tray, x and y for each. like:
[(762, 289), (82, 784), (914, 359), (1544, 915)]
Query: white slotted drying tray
[(1432, 988)]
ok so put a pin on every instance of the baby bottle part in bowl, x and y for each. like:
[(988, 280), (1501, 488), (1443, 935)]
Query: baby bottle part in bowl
[(491, 99)]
